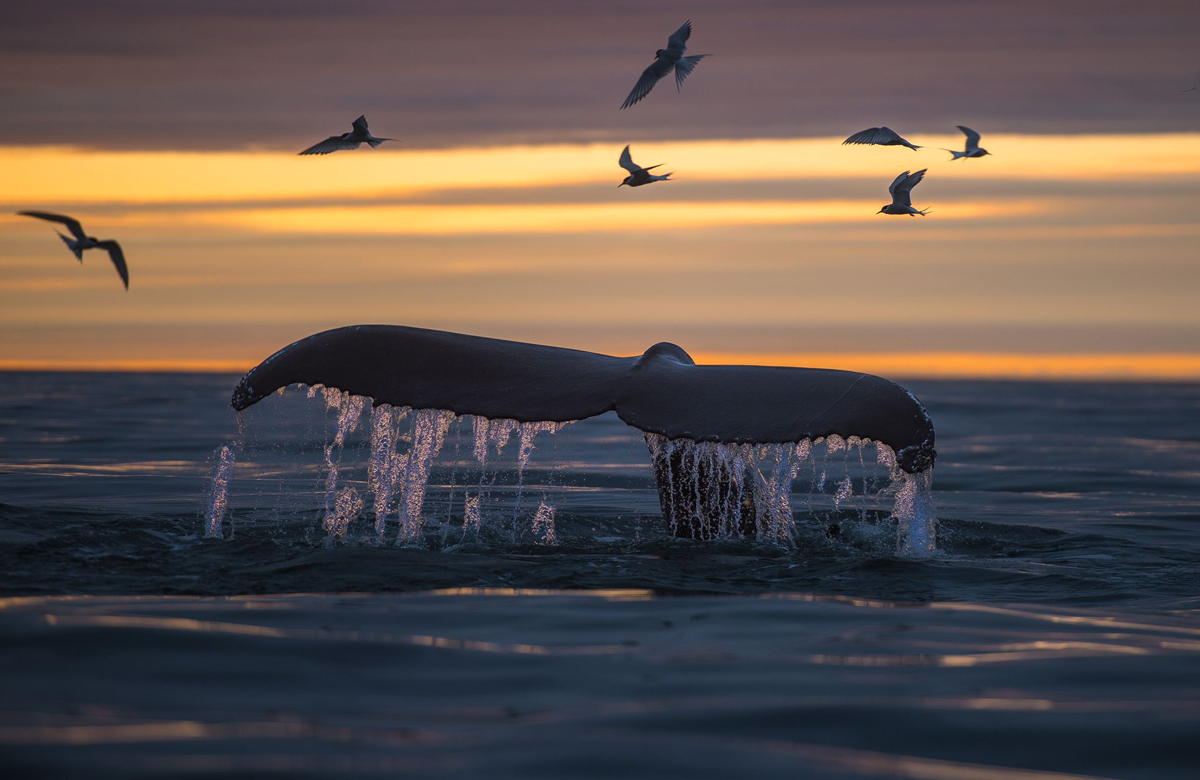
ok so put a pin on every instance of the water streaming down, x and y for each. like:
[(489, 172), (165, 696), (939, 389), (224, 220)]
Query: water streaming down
[(217, 504), (772, 493)]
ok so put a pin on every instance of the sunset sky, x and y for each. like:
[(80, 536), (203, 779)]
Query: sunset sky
[(173, 127)]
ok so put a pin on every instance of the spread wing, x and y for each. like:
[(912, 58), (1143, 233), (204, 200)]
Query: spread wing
[(972, 137), (627, 162), (874, 135), (901, 188), (650, 77), (334, 143), (360, 125), (662, 391), (678, 40), (118, 259), (72, 224)]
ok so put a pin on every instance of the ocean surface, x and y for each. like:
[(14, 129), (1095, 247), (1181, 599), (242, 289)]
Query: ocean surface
[(1053, 631)]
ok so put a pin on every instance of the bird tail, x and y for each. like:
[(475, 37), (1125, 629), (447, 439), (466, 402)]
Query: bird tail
[(667, 176), (684, 68), (74, 247), (923, 212), (377, 141), (914, 147), (953, 154)]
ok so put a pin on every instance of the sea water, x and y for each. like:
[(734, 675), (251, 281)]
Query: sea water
[(531, 615)]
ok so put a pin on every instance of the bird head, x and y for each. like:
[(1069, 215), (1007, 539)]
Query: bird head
[(883, 209), (622, 184), (659, 53)]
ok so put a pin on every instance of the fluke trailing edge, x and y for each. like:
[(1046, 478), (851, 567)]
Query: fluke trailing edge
[(662, 391)]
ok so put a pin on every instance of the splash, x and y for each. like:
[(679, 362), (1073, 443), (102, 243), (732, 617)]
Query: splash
[(543, 524), (709, 490), (777, 493), (349, 409), (913, 512), (218, 494), (429, 433)]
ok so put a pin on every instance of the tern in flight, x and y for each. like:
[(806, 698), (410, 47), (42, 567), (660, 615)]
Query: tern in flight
[(879, 136), (666, 60), (639, 176), (901, 191), (973, 149), (83, 241), (351, 140)]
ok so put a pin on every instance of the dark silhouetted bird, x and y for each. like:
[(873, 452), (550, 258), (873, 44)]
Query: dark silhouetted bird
[(973, 149), (879, 136), (901, 190), (83, 241), (351, 140), (666, 60), (639, 176)]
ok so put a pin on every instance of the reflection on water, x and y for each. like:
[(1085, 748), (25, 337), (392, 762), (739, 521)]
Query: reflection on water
[(733, 677)]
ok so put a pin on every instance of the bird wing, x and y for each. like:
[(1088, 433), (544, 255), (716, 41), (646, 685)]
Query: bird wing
[(118, 259), (627, 161), (678, 40), (333, 143), (901, 188), (972, 137), (360, 125), (72, 224), (685, 66), (650, 77), (873, 135)]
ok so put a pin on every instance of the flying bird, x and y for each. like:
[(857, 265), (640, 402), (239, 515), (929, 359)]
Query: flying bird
[(83, 241), (351, 140), (639, 176), (901, 190), (973, 149), (879, 136), (666, 60)]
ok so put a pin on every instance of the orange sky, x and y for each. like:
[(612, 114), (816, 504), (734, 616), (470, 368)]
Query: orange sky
[(1059, 256)]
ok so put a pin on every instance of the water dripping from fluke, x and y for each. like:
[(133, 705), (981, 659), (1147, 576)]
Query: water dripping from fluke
[(729, 445)]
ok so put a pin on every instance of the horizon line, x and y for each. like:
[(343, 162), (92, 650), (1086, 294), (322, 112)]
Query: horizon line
[(1010, 366)]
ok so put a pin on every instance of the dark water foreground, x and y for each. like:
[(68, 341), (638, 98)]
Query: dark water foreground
[(1056, 630)]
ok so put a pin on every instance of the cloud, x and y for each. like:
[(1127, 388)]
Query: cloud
[(280, 75)]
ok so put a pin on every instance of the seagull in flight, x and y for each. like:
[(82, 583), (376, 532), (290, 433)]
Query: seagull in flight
[(351, 140), (973, 149), (879, 136), (666, 60), (901, 190), (83, 241), (639, 176)]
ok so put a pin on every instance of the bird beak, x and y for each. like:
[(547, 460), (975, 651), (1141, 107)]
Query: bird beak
[(622, 184), (880, 211)]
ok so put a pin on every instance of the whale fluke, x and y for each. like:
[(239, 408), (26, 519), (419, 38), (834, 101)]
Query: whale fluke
[(661, 392)]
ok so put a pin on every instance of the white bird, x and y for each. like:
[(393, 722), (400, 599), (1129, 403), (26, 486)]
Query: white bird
[(973, 149), (639, 176), (879, 136), (901, 190), (351, 140), (84, 241), (666, 60)]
